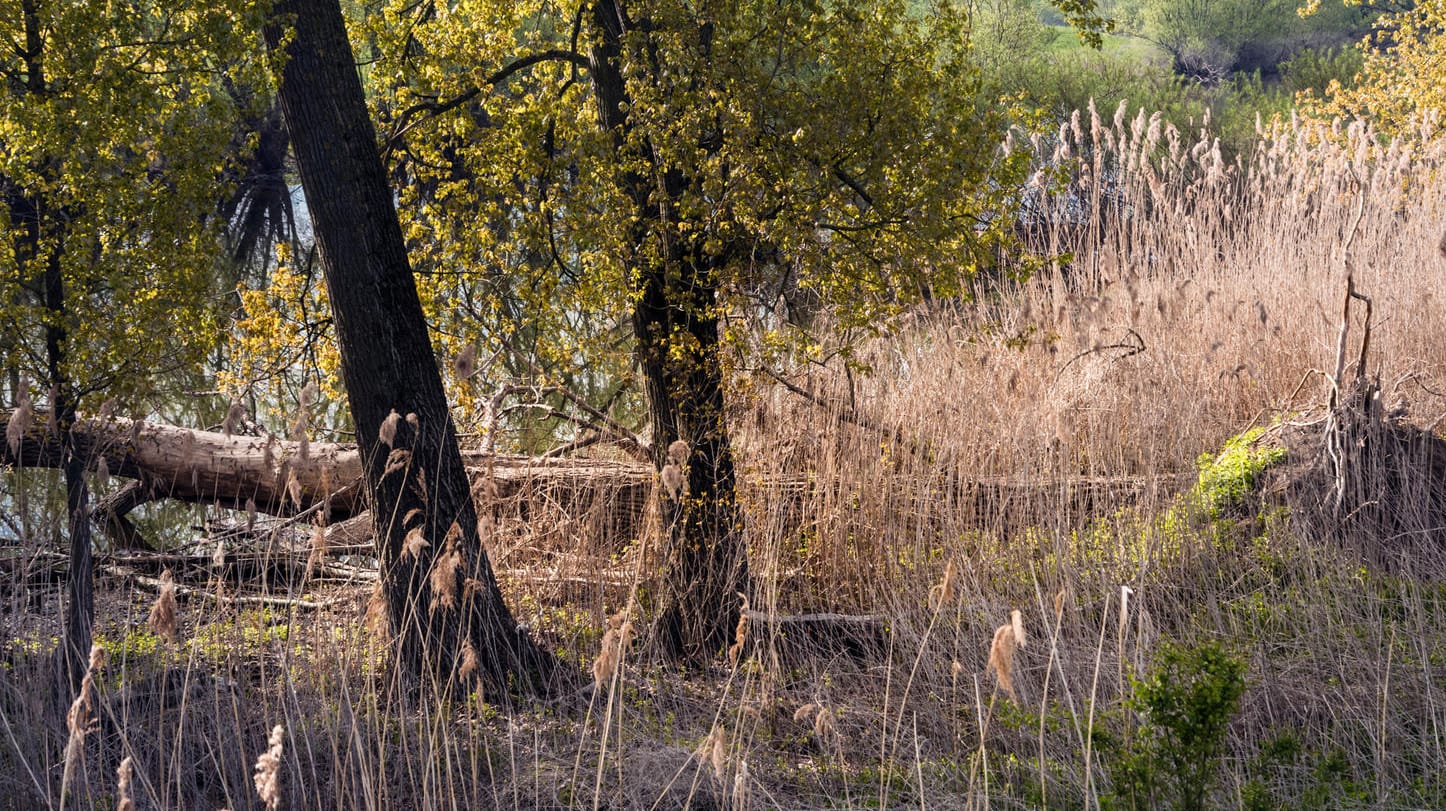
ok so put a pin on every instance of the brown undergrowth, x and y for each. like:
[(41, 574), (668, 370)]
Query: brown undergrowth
[(995, 521)]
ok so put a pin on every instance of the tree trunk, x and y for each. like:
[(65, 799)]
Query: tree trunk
[(39, 245), (675, 324), (451, 621)]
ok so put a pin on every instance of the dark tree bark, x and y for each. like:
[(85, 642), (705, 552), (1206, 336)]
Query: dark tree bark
[(75, 642), (675, 324), (414, 473), (39, 246)]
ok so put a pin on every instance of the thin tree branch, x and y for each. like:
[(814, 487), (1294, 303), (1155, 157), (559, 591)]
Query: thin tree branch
[(418, 113)]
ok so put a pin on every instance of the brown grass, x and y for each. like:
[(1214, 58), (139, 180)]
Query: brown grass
[(1039, 435)]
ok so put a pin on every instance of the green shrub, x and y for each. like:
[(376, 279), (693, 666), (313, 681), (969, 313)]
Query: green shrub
[(1186, 702), (1228, 477)]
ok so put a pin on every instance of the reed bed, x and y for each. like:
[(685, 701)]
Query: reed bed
[(1003, 496)]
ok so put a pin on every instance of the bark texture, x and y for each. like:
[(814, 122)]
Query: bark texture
[(453, 620), (675, 325)]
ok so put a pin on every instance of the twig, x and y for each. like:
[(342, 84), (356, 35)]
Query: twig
[(1131, 349), (847, 415), (154, 584), (1350, 294)]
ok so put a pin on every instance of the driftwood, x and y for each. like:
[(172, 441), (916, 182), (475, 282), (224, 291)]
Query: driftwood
[(609, 498), (186, 592)]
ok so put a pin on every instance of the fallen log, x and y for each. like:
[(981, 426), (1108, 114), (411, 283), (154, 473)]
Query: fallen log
[(278, 477), (608, 498)]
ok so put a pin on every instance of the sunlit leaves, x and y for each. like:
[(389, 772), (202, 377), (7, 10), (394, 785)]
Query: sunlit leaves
[(114, 120), (832, 148), (1403, 80)]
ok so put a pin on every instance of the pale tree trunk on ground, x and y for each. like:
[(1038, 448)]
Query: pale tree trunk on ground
[(271, 477)]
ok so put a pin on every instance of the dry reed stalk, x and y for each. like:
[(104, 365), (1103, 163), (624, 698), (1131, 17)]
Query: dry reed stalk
[(164, 611)]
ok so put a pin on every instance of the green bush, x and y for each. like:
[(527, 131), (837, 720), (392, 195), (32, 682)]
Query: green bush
[(1186, 702)]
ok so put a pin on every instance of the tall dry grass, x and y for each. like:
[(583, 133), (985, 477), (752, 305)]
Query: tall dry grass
[(1007, 470)]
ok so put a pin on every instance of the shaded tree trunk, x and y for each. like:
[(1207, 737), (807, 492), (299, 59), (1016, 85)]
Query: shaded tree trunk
[(39, 230), (75, 642), (442, 597), (675, 324)]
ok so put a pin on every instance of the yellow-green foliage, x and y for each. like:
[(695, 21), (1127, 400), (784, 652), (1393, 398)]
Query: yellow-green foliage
[(835, 148), (1401, 79), (1227, 477), (114, 129)]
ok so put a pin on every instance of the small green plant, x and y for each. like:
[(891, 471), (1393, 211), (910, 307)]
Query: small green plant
[(1186, 701), (1228, 477)]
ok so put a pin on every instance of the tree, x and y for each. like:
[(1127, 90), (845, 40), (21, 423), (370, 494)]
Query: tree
[(1208, 41), (1400, 85), (719, 176), (114, 129), (443, 601)]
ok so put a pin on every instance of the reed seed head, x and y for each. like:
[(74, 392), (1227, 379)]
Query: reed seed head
[(376, 617), (465, 364), (415, 543), (318, 550), (740, 631), (714, 752), (397, 460), (944, 592), (267, 778), (19, 424), (678, 452), (387, 433), (444, 578), (162, 620), (824, 725), (614, 644), (124, 802), (80, 720), (1007, 638), (469, 665), (235, 416), (673, 482)]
